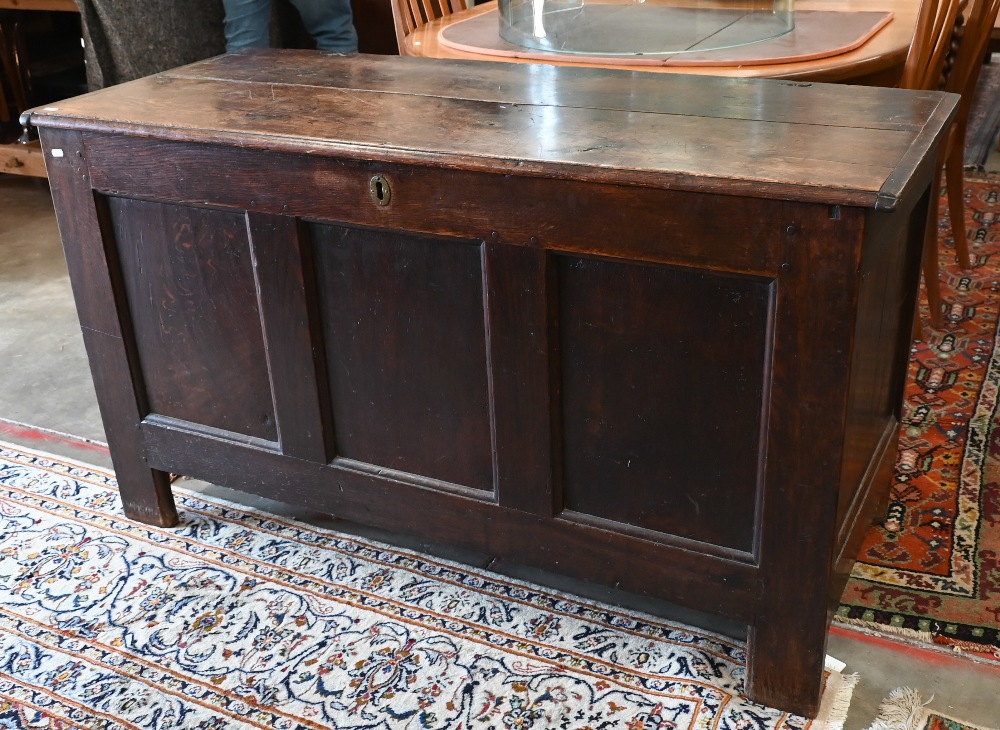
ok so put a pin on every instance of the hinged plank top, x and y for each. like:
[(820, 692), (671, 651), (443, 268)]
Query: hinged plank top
[(765, 138)]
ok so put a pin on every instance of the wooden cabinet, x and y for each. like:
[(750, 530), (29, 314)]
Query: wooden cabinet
[(646, 330)]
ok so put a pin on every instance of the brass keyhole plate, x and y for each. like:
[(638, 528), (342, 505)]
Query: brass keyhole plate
[(378, 186)]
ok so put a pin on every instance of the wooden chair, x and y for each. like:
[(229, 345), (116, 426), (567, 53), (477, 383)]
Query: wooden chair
[(932, 40), (973, 38), (408, 15), (13, 71), (926, 67), (6, 71)]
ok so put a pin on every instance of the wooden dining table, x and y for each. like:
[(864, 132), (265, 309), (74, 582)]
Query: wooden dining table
[(68, 6), (877, 62)]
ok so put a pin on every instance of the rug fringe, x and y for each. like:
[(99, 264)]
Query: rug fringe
[(905, 709), (900, 711), (925, 636), (836, 700), (959, 646)]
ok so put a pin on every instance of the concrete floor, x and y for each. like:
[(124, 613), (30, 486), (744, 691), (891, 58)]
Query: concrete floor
[(47, 402)]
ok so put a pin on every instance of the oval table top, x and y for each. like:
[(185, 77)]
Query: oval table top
[(878, 62)]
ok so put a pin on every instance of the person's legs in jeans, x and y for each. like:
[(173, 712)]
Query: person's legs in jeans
[(248, 24), (329, 22)]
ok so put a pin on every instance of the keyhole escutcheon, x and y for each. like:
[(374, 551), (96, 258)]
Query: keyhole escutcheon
[(379, 188)]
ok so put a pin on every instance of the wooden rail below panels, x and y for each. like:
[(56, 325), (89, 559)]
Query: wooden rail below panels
[(22, 159)]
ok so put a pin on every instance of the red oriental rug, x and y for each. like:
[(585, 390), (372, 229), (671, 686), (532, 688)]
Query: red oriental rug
[(932, 570), (905, 709)]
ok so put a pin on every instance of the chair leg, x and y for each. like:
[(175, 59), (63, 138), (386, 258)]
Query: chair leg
[(23, 81), (4, 109), (955, 182), (13, 68), (7, 71), (932, 280)]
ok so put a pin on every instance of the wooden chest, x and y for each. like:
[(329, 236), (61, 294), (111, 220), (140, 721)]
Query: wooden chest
[(645, 330)]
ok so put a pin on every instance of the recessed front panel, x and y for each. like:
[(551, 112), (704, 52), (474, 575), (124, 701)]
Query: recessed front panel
[(663, 376), (405, 340), (193, 304)]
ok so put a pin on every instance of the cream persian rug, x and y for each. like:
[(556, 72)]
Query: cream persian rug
[(240, 619)]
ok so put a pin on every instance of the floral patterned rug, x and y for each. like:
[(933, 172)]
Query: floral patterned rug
[(240, 619), (933, 569)]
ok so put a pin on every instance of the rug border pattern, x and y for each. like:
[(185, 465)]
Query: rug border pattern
[(962, 581), (528, 595)]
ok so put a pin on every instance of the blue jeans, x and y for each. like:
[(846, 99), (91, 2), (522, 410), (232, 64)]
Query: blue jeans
[(329, 22)]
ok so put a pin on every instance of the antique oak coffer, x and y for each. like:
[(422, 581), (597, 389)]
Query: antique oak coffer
[(644, 330)]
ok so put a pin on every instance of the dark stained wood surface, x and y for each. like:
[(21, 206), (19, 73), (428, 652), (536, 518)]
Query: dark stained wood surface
[(829, 143), (643, 350), (289, 327), (189, 281), (104, 323), (649, 332), (463, 205), (405, 390)]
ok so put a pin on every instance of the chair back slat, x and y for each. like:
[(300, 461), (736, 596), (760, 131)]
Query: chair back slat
[(408, 15), (928, 54), (973, 40)]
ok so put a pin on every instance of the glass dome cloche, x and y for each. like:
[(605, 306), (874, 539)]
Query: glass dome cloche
[(640, 27)]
